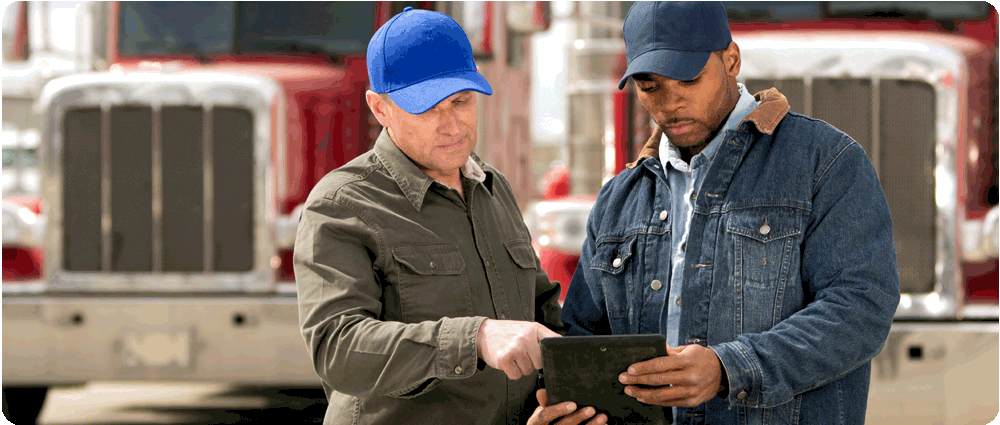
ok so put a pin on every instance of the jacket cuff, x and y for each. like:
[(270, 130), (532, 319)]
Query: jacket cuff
[(743, 373), (458, 356)]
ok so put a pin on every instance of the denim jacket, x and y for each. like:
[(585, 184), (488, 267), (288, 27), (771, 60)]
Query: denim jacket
[(790, 271)]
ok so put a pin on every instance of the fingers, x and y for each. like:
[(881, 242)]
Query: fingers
[(663, 396), (656, 379), (656, 365), (565, 413), (541, 396)]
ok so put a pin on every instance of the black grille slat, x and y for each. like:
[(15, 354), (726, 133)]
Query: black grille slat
[(845, 103), (131, 189), (183, 189), (907, 152), (82, 190), (233, 200)]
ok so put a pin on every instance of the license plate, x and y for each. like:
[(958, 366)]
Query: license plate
[(158, 349)]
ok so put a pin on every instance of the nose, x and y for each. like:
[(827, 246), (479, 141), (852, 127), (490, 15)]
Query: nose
[(673, 97), (448, 121)]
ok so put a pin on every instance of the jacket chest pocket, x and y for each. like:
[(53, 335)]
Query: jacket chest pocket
[(764, 244), (523, 256), (432, 283), (612, 258)]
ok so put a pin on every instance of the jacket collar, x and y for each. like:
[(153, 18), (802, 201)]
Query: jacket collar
[(766, 116), (415, 183)]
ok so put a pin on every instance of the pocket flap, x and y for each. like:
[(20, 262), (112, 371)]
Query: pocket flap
[(521, 252), (612, 256), (767, 225), (435, 260)]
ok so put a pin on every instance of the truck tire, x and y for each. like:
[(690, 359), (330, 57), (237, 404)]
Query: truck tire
[(22, 405)]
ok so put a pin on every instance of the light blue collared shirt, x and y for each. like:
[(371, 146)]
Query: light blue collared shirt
[(682, 180)]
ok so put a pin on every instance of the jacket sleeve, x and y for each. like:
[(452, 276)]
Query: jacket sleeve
[(340, 305), (848, 270), (585, 311)]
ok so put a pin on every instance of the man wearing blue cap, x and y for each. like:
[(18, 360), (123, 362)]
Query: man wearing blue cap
[(420, 298), (757, 240)]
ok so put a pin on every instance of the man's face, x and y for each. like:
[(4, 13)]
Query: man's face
[(689, 112), (440, 140)]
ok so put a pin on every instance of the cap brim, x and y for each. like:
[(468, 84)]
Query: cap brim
[(677, 65), (421, 97)]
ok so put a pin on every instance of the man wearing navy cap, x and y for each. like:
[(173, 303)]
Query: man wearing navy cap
[(757, 240), (420, 297)]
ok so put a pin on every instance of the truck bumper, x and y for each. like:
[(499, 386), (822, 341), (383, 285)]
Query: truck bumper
[(936, 373), (50, 340)]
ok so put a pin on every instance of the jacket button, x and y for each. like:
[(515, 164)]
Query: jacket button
[(663, 215), (694, 195), (617, 262), (656, 285), (678, 302), (433, 266), (742, 395), (765, 229), (458, 370)]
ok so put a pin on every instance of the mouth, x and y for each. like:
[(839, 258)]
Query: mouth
[(677, 129), (452, 145)]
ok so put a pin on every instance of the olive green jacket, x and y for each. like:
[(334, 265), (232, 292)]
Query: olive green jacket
[(395, 274)]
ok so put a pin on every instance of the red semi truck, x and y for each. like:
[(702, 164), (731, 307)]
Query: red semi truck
[(171, 177), (916, 85)]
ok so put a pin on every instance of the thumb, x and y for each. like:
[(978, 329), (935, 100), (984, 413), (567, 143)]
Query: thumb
[(671, 351), (544, 332), (541, 396)]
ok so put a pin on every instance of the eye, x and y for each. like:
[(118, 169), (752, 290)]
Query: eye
[(650, 88)]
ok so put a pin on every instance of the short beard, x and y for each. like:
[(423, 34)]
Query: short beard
[(730, 102)]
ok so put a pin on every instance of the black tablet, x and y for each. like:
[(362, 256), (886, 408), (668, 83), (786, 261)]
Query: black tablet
[(585, 369)]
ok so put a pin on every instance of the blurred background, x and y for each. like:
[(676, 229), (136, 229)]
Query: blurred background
[(156, 156)]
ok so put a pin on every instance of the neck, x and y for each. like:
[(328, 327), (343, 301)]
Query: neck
[(733, 98)]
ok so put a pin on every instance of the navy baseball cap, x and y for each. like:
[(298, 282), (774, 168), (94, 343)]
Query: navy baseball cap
[(420, 57), (673, 38)]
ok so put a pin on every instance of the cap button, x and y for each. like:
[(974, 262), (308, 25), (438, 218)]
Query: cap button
[(408, 8)]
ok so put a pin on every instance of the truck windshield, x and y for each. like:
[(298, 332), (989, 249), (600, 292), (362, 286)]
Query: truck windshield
[(163, 28), (812, 10), (309, 27)]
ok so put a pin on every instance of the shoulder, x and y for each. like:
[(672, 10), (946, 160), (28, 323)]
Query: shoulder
[(360, 174), (807, 140), (810, 132)]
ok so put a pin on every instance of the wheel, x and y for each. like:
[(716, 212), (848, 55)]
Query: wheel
[(22, 405)]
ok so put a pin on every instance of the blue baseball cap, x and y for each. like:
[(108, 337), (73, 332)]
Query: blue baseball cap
[(420, 57), (673, 38)]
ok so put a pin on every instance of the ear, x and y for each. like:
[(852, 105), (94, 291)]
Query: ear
[(731, 58), (379, 107)]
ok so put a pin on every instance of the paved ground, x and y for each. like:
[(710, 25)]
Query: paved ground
[(180, 403)]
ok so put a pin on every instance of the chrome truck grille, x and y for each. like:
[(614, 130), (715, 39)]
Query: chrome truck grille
[(158, 190), (160, 182), (894, 121)]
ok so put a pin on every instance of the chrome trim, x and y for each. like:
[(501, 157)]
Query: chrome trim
[(876, 137), (197, 88), (157, 140), (909, 56), (981, 311), (105, 186), (807, 95), (208, 183)]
